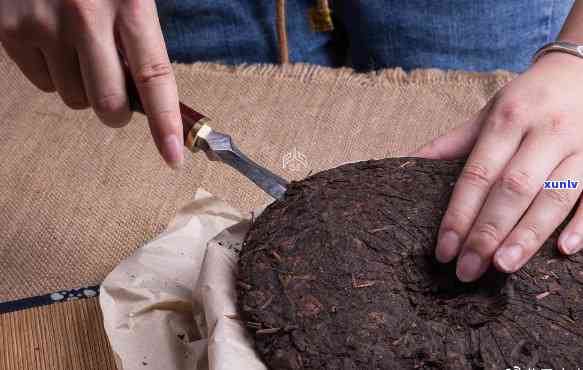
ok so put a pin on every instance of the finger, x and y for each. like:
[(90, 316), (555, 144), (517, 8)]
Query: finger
[(65, 72), (500, 137), (453, 145), (549, 209), (457, 143), (571, 238), (507, 201), (32, 64), (103, 76), (144, 47)]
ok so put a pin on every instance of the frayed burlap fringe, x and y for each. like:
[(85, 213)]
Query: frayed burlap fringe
[(310, 73)]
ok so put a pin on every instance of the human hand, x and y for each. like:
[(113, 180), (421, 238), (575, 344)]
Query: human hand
[(529, 132), (71, 46)]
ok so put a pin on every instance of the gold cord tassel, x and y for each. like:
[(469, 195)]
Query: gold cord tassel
[(321, 17)]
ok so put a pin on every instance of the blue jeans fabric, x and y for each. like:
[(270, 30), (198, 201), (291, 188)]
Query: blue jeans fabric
[(480, 35)]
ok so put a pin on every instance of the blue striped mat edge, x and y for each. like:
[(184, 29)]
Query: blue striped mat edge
[(47, 299)]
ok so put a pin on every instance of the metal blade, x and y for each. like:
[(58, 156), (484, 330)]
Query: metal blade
[(220, 146)]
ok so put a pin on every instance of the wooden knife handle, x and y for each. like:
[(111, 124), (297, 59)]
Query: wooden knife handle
[(191, 119)]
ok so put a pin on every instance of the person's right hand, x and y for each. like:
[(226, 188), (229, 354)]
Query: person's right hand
[(71, 46)]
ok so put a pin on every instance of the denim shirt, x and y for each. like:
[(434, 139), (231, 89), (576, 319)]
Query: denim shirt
[(474, 35)]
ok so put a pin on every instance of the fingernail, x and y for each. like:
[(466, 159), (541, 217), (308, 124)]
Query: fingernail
[(572, 243), (172, 151), (469, 267), (509, 257), (447, 246)]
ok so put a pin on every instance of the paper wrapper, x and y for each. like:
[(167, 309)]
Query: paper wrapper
[(171, 305)]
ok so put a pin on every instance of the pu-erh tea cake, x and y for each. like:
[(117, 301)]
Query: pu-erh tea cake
[(341, 274)]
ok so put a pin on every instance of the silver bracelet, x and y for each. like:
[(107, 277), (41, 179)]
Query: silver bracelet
[(560, 46)]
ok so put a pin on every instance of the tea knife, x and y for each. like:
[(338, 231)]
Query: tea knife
[(199, 136)]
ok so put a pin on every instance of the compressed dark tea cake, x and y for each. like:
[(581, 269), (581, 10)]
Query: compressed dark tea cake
[(340, 274)]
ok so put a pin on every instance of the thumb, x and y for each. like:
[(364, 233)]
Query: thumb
[(455, 144)]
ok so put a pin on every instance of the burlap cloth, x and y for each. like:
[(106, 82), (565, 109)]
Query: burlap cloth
[(77, 197)]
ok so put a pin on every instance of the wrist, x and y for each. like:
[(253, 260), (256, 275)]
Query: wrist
[(558, 69)]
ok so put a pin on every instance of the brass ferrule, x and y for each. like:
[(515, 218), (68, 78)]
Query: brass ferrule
[(196, 133)]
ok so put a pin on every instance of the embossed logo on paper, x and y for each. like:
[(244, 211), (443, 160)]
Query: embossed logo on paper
[(294, 161)]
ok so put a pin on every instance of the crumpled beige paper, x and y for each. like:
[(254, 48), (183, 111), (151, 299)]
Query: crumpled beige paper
[(171, 304)]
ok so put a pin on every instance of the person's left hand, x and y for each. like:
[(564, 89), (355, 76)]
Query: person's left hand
[(529, 132)]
